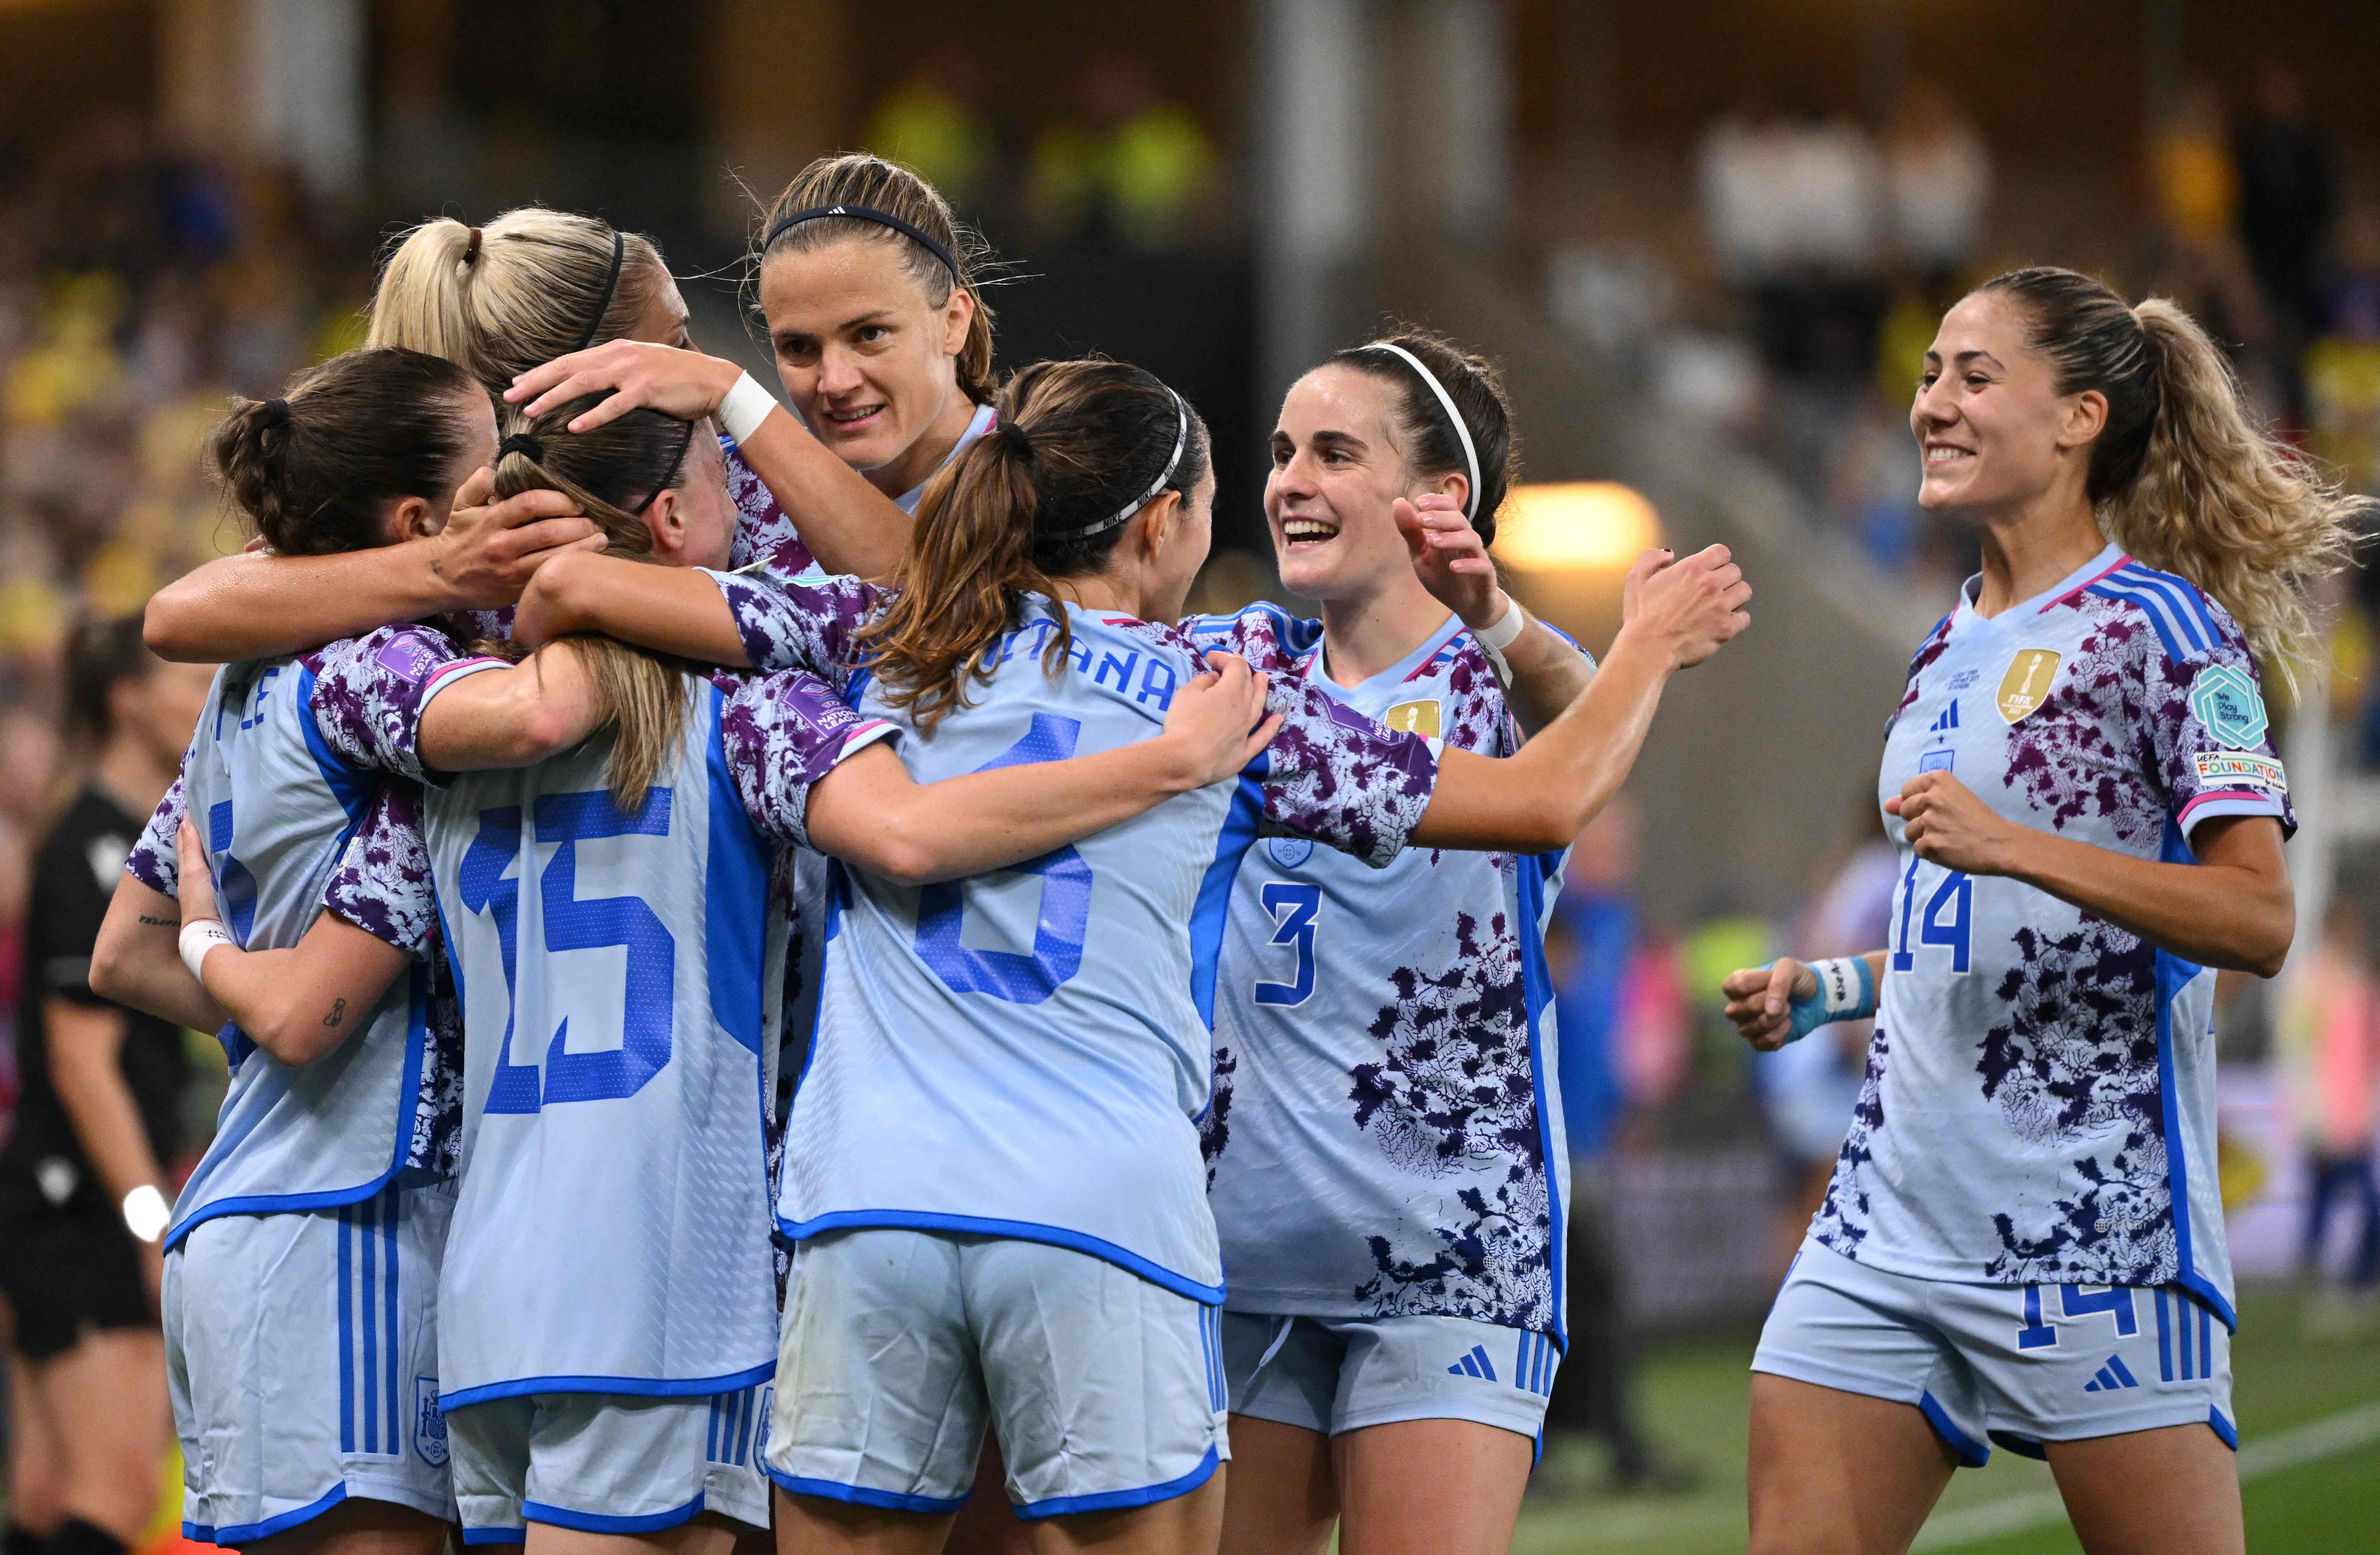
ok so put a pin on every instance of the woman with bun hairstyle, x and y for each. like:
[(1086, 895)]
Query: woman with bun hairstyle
[(1041, 1244), (532, 285), (2023, 1242)]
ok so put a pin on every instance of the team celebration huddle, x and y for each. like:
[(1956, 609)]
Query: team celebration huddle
[(777, 986)]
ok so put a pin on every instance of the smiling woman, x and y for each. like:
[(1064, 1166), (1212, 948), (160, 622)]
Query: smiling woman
[(867, 285)]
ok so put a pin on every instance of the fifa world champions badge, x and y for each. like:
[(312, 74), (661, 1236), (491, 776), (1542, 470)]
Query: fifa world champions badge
[(2223, 698), (2027, 682)]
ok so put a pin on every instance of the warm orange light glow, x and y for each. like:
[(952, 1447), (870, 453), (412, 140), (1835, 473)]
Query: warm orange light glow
[(1575, 525)]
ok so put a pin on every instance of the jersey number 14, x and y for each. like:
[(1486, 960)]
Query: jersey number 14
[(1944, 922)]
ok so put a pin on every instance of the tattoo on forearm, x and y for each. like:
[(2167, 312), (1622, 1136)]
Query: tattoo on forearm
[(339, 1013), (160, 923)]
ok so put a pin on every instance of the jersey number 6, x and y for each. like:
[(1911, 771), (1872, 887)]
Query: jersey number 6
[(1065, 914)]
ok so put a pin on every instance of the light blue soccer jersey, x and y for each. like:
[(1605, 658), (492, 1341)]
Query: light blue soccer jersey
[(619, 975), (1026, 1054), (1386, 1137), (277, 780), (2039, 1106)]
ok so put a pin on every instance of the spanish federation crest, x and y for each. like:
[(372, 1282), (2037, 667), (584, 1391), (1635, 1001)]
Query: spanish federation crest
[(429, 1424), (2224, 699), (2027, 682)]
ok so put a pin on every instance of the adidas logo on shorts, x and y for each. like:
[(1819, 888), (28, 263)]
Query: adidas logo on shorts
[(2113, 1375)]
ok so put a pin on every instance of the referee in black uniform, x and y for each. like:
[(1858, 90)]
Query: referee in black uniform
[(83, 1188)]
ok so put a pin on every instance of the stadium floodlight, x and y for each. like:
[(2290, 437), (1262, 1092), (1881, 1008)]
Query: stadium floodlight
[(1573, 527)]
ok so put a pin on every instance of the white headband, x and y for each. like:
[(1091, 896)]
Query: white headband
[(1164, 477), (1470, 454)]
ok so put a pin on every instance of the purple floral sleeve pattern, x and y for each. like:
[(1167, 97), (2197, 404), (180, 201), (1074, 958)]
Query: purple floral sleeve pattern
[(791, 624), (783, 732), (153, 861), (369, 692), (381, 884), (764, 533), (1331, 773)]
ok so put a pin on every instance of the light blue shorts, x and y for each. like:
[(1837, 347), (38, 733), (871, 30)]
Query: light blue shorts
[(301, 1355), (2018, 1365), (1341, 1374), (899, 1347), (608, 1463)]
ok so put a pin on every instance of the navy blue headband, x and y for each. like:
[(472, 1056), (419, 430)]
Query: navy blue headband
[(611, 286), (864, 213)]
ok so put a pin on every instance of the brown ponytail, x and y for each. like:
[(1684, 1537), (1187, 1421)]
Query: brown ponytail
[(614, 472), (2181, 477), (313, 471), (1043, 496), (856, 178)]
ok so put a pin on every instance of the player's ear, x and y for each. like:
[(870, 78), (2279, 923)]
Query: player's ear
[(667, 524), (412, 518)]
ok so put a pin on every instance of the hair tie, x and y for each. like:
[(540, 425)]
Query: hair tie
[(275, 413), (524, 444), (683, 444), (1446, 401), (1015, 436), (611, 285), (865, 214), (472, 250), (1164, 478)]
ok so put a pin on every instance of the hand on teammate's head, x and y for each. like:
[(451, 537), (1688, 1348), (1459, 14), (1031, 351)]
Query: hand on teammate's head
[(490, 550)]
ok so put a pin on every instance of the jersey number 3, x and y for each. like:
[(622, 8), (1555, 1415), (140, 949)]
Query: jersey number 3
[(1294, 907), (573, 922)]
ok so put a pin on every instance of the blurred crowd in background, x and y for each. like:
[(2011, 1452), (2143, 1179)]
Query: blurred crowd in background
[(139, 288)]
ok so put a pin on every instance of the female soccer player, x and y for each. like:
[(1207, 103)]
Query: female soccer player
[(532, 285), (97, 1131), (1385, 1150), (1041, 1245), (548, 1404), (2023, 1242)]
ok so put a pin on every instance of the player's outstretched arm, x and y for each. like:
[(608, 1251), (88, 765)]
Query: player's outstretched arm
[(848, 525), (1545, 671), (2233, 908), (515, 716), (296, 1004), (669, 610), (257, 604), (870, 813), (134, 961), (1542, 798)]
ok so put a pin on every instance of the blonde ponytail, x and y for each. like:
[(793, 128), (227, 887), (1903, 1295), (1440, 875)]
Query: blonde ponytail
[(2181, 477), (643, 695)]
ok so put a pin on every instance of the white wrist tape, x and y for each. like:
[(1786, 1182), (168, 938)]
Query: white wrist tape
[(199, 936), (1505, 631), (747, 405), (146, 1213), (1847, 990)]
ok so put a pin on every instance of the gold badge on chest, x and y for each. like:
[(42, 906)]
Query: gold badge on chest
[(2027, 681), (1413, 718)]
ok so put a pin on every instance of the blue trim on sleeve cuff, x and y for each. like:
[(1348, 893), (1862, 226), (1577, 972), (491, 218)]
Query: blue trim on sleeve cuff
[(633, 1387), (1116, 1501), (248, 1533), (1021, 1230), (1972, 1453), (595, 1522), (496, 1536), (860, 1495)]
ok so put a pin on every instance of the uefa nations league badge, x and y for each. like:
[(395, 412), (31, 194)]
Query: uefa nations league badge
[(2225, 699)]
